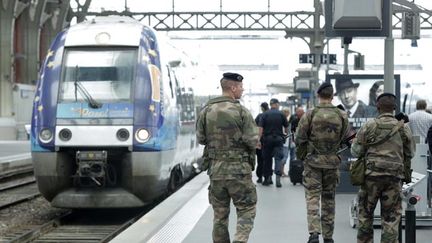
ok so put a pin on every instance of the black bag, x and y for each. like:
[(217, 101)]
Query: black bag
[(296, 171)]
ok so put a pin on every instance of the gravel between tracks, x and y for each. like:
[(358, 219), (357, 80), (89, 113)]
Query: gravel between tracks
[(33, 212)]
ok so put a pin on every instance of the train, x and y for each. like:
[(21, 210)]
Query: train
[(113, 122)]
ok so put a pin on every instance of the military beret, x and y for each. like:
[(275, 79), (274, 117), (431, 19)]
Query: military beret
[(323, 86), (274, 101), (385, 94), (233, 76)]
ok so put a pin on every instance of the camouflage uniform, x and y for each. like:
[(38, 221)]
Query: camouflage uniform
[(230, 135), (320, 132), (384, 172)]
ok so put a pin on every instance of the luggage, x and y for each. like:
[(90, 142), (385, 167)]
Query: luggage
[(296, 171)]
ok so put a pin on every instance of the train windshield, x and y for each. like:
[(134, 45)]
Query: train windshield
[(105, 74)]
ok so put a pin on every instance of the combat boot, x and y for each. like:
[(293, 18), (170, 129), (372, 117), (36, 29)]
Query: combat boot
[(278, 183), (259, 180), (267, 181), (313, 238), (328, 241)]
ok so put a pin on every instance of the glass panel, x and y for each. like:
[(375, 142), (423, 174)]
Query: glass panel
[(106, 74)]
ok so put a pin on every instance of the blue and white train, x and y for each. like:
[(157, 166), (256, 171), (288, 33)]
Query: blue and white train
[(112, 125)]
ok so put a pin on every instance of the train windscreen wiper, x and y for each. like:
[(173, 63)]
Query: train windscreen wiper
[(79, 87)]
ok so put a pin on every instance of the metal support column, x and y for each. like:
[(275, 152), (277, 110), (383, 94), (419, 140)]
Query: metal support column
[(317, 47), (52, 24), (410, 220), (6, 46), (389, 85), (28, 31), (346, 70)]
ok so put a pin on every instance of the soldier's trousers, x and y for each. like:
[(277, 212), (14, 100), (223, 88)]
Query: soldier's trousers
[(387, 190), (320, 185), (243, 193)]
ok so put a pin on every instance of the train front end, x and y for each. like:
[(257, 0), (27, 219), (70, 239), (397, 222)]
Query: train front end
[(97, 115)]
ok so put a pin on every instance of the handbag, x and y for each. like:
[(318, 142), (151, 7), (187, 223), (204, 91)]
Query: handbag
[(358, 167)]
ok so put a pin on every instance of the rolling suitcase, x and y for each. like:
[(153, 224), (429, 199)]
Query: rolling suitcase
[(296, 171)]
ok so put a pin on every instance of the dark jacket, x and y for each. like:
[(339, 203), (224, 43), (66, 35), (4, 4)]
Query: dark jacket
[(273, 121), (364, 110)]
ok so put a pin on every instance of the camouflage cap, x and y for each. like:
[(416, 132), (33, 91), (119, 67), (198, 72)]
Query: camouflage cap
[(233, 76)]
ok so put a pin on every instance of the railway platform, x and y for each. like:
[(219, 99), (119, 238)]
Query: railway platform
[(14, 155), (186, 216)]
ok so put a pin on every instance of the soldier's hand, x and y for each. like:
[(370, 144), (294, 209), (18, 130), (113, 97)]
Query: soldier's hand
[(259, 146)]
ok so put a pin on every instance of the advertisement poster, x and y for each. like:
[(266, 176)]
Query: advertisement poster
[(357, 93)]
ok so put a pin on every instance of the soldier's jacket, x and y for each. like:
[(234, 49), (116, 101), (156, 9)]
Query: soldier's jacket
[(386, 158), (230, 135), (320, 132)]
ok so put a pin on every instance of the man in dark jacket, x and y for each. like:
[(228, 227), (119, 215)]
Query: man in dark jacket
[(260, 161), (429, 142), (273, 128)]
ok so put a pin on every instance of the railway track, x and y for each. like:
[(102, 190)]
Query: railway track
[(78, 226), (17, 187)]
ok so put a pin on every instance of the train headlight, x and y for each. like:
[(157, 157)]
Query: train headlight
[(45, 135), (65, 134), (122, 134), (142, 135)]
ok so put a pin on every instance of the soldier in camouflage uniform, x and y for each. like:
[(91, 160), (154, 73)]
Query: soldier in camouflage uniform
[(318, 138), (388, 163), (230, 135)]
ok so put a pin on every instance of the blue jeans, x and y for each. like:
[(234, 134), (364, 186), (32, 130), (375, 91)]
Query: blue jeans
[(292, 151), (286, 150)]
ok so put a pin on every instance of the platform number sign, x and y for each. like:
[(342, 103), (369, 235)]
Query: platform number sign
[(324, 58)]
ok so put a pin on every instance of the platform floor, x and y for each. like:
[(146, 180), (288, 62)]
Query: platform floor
[(281, 217), (14, 155), (11, 148)]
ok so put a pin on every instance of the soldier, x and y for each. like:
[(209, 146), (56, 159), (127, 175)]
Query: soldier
[(230, 135), (318, 138), (388, 148)]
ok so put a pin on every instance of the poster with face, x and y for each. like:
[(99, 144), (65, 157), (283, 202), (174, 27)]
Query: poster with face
[(357, 94)]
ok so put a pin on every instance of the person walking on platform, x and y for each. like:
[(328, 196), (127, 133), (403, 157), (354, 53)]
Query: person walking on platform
[(260, 161), (420, 121), (388, 147), (286, 145), (293, 121), (230, 135), (318, 138), (273, 128)]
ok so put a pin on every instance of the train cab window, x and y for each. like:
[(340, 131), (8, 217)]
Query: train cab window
[(105, 74)]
